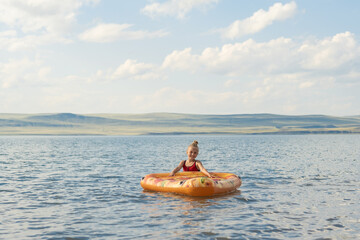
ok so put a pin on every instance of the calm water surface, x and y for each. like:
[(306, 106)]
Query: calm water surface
[(294, 187)]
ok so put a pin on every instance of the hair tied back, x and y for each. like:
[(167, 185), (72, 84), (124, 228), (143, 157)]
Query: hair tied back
[(195, 143)]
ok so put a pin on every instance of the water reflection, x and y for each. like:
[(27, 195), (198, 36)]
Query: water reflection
[(192, 213), (177, 201)]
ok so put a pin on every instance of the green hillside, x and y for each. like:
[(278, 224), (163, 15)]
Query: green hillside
[(173, 123)]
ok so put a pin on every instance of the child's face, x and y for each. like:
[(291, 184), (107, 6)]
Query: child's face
[(192, 152)]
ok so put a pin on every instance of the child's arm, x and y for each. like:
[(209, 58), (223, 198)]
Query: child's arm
[(177, 168), (203, 170)]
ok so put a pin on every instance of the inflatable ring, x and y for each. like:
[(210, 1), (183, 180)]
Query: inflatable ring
[(191, 183)]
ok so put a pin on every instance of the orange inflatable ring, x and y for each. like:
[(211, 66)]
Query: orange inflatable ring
[(191, 183)]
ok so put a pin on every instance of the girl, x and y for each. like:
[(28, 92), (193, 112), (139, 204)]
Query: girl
[(191, 164)]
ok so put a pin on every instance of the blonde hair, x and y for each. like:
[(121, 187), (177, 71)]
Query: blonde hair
[(194, 144)]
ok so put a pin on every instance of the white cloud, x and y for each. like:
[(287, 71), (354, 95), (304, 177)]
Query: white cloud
[(10, 40), (259, 75), (110, 32), (9, 33), (281, 55), (177, 8), (183, 60), (259, 20), (131, 69), (230, 83), (40, 15), (23, 71), (36, 22), (306, 84), (282, 74), (237, 59), (331, 52)]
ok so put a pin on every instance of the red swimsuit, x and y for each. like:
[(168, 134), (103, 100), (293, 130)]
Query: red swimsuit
[(191, 168)]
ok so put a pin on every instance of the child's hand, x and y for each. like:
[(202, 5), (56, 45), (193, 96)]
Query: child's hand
[(171, 174)]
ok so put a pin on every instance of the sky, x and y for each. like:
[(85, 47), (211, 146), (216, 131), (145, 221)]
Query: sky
[(180, 56)]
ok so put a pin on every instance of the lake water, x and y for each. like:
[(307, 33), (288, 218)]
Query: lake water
[(294, 187)]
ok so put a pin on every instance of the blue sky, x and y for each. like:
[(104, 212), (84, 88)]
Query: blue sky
[(186, 56)]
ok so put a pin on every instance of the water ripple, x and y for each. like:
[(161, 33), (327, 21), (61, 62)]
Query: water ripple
[(294, 187)]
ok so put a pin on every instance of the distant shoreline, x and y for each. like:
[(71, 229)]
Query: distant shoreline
[(69, 124)]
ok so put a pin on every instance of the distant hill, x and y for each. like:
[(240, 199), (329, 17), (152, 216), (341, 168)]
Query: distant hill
[(70, 118), (174, 123)]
